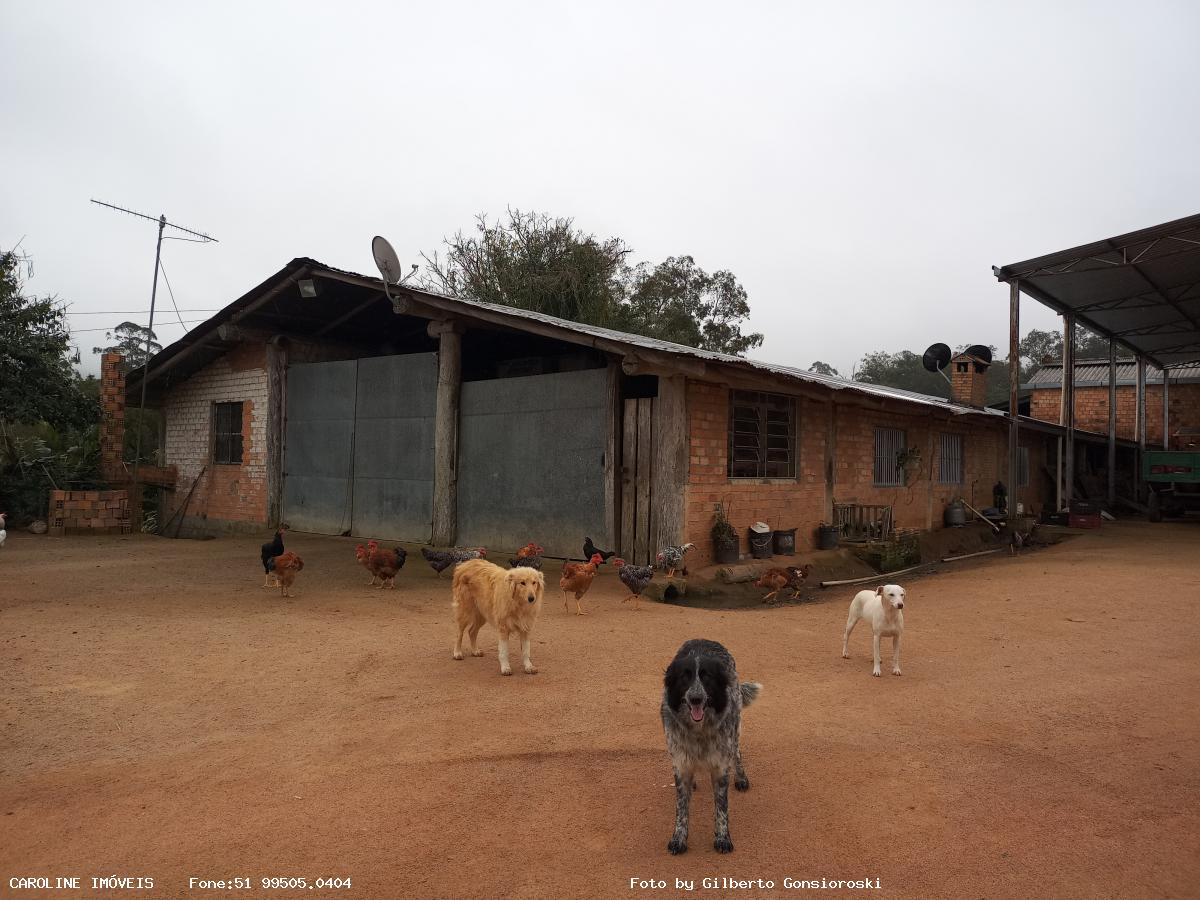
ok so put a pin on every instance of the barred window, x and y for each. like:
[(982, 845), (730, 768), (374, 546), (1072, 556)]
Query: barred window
[(227, 434), (762, 435), (1022, 467), (889, 444), (950, 460)]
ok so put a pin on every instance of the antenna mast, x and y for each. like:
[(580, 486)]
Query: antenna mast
[(197, 237)]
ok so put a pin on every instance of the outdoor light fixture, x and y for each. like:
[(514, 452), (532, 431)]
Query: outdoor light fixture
[(308, 288)]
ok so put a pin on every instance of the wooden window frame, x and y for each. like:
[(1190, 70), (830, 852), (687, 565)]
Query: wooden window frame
[(228, 447), (960, 457), (772, 437), (878, 464)]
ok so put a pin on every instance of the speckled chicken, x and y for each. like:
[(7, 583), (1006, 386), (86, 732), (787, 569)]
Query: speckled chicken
[(635, 578), (671, 558), (441, 560)]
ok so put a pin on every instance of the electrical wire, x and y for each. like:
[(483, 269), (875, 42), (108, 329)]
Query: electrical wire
[(130, 312), (163, 269), (111, 327)]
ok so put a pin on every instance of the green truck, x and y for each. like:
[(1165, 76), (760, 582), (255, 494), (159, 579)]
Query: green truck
[(1174, 480)]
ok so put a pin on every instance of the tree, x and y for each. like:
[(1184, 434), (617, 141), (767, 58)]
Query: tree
[(1047, 346), (37, 379), (823, 368), (678, 301), (901, 370), (535, 262), (134, 342)]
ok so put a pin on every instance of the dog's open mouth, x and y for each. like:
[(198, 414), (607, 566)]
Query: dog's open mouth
[(697, 713)]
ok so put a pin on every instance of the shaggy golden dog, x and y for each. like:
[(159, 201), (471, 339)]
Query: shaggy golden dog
[(507, 599)]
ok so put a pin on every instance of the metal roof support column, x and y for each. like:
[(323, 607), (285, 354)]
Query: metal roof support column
[(1166, 410), (1112, 422), (1140, 420), (1068, 387), (1014, 385)]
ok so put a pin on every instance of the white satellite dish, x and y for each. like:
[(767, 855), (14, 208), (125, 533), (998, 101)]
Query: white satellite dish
[(386, 259)]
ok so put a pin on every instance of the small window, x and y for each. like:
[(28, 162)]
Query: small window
[(889, 445), (762, 435), (1022, 467), (950, 465), (227, 434)]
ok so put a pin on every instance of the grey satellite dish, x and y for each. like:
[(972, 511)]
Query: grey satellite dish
[(388, 263), (981, 352)]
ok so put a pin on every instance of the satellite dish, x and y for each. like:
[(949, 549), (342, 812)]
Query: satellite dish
[(386, 259), (980, 352), (936, 358)]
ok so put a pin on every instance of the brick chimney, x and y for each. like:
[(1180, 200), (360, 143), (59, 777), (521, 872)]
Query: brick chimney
[(968, 380), (112, 417)]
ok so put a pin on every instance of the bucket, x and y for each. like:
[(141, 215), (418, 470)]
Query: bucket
[(785, 542), (725, 551), (760, 544), (827, 537)]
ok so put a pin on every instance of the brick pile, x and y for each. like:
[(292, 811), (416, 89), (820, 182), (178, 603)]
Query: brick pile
[(89, 512)]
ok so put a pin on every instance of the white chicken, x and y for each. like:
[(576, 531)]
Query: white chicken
[(3, 531)]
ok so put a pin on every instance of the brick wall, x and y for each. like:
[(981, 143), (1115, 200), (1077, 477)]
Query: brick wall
[(1091, 409), (112, 419), (227, 495), (801, 502), (89, 512)]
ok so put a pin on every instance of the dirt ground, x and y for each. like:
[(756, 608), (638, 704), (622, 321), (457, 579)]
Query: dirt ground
[(165, 716)]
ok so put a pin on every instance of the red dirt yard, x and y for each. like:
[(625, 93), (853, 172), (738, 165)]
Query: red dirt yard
[(164, 716)]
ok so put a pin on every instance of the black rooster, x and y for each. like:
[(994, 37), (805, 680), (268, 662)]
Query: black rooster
[(590, 549), (270, 550)]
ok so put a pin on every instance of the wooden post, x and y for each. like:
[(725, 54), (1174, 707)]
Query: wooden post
[(612, 458), (1166, 410), (830, 460), (1014, 387), (669, 465), (1112, 422), (445, 434), (276, 418), (1140, 420), (1068, 388)]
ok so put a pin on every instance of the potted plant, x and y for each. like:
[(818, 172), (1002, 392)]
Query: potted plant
[(725, 539)]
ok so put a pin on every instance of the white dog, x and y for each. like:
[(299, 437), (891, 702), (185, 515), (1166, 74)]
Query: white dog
[(884, 609)]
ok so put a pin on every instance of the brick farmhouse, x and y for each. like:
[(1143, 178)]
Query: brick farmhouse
[(317, 400)]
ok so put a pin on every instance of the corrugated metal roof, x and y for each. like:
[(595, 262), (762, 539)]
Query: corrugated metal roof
[(1141, 289), (1094, 373), (616, 341)]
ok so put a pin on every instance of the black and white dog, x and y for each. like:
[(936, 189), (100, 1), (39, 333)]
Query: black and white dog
[(702, 716)]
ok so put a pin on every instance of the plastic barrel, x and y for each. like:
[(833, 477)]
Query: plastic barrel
[(827, 537), (785, 541), (760, 545)]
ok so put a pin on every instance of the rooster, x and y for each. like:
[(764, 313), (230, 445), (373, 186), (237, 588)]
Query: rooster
[(529, 556), (383, 564), (590, 550), (777, 579), (3, 528), (441, 560), (270, 550), (671, 558), (577, 578), (285, 568), (633, 577)]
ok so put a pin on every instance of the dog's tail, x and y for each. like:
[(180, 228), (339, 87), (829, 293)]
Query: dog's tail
[(750, 692)]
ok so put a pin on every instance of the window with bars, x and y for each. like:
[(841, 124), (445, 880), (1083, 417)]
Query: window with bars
[(950, 459), (889, 444), (227, 434), (762, 435), (1022, 467)]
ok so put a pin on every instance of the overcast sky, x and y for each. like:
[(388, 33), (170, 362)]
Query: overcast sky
[(859, 167)]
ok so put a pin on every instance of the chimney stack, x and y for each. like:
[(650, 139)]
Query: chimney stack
[(968, 380), (112, 417)]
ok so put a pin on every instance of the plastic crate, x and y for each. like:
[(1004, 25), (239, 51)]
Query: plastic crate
[(1084, 520)]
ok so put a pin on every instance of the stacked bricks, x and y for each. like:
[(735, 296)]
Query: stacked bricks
[(226, 493), (112, 420), (89, 512), (1091, 410)]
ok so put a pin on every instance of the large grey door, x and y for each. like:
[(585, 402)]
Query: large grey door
[(358, 454), (393, 447), (531, 462), (318, 451)]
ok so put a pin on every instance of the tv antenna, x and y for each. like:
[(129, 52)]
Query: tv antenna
[(198, 237), (388, 264)]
